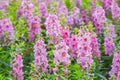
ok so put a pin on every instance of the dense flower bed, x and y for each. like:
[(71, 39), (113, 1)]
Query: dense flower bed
[(59, 39)]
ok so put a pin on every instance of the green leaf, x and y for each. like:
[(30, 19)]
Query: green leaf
[(101, 76), (68, 4)]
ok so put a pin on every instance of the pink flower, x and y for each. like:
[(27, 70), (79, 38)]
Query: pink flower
[(34, 27), (73, 45), (53, 27), (79, 3), (26, 9), (118, 76), (109, 35), (74, 19), (116, 66), (92, 7), (115, 11), (111, 31), (61, 54), (109, 45), (107, 4), (17, 67), (62, 9), (95, 45), (40, 56), (98, 17), (43, 9), (6, 26), (4, 4), (65, 34), (45, 1), (84, 51)]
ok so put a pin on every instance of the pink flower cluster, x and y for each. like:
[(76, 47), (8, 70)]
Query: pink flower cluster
[(109, 45), (84, 51), (71, 42), (111, 31), (53, 26), (115, 11), (116, 66), (65, 34), (73, 45), (17, 67), (82, 46), (6, 26), (70, 20), (4, 4), (84, 16), (95, 45), (107, 4), (74, 18), (62, 9), (26, 9), (40, 56), (43, 9), (99, 18), (34, 27), (109, 39), (61, 55), (46, 1), (92, 6), (78, 3)]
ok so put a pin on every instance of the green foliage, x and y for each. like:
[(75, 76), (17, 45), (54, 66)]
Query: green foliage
[(4, 61), (12, 9), (76, 30), (68, 3), (86, 4), (3, 77)]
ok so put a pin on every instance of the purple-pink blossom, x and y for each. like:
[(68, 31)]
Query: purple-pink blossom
[(53, 27), (115, 9), (116, 66), (17, 66), (40, 55), (26, 9), (6, 26), (107, 3), (109, 35), (34, 27), (61, 55), (4, 4), (43, 9), (99, 19), (95, 45), (62, 9), (84, 51), (73, 45)]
